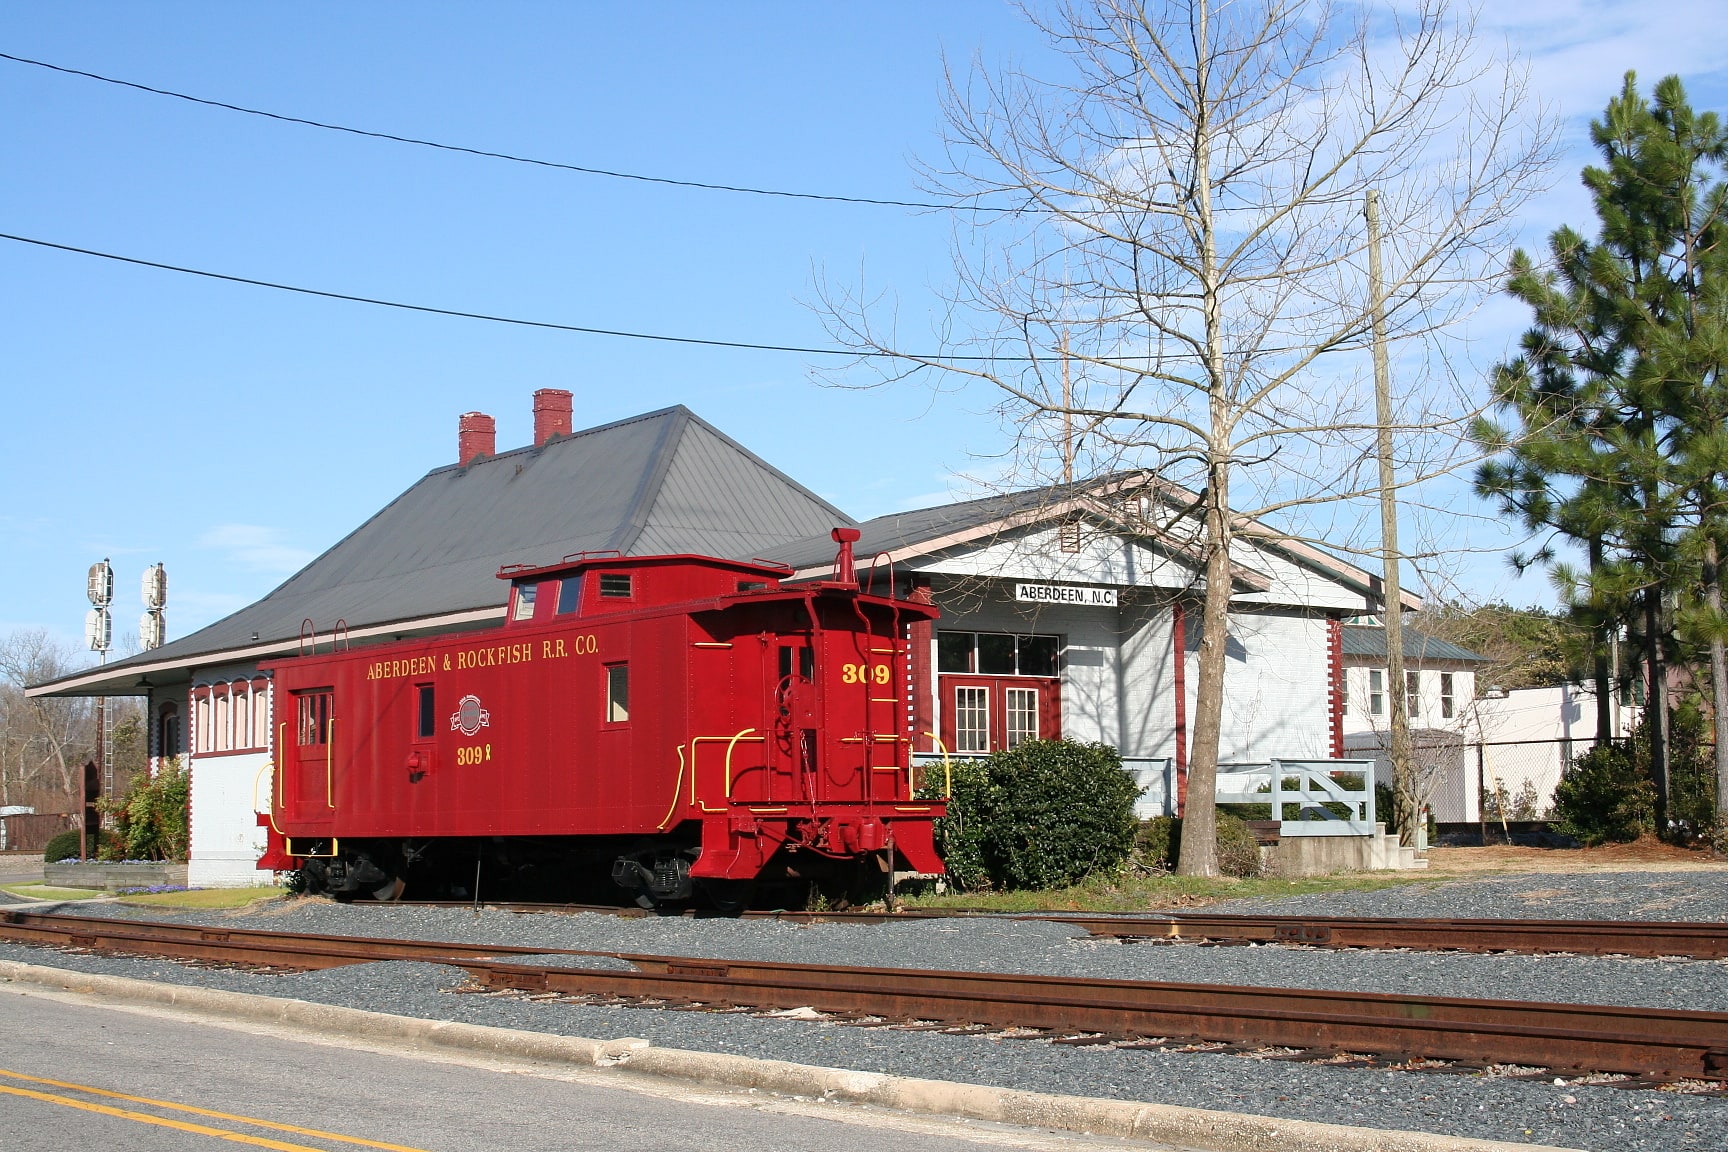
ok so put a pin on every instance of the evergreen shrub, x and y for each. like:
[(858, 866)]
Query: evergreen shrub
[(1042, 815), (1158, 844), (1607, 795), (64, 845)]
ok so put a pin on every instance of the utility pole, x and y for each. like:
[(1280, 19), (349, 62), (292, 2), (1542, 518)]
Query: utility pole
[(1067, 416), (1403, 778)]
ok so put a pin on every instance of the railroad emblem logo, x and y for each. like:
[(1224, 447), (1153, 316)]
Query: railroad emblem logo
[(469, 717)]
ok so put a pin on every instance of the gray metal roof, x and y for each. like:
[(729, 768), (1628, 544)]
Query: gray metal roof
[(663, 482), (1370, 642), (906, 529)]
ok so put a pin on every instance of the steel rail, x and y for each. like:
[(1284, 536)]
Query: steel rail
[(1700, 940), (1643, 1042)]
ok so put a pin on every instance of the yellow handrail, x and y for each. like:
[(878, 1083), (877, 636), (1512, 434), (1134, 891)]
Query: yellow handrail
[(335, 848), (731, 744), (269, 809), (330, 765), (677, 786), (947, 767)]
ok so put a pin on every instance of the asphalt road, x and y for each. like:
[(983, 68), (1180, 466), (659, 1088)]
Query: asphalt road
[(77, 1075)]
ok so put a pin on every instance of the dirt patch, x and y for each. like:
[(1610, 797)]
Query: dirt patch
[(1646, 855)]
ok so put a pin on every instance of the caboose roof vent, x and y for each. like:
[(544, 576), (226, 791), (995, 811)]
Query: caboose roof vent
[(551, 414), (476, 435)]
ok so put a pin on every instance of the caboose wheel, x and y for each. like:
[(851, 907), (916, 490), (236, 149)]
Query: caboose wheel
[(727, 897)]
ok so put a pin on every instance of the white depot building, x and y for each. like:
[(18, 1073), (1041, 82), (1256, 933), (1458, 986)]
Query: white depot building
[(1066, 611)]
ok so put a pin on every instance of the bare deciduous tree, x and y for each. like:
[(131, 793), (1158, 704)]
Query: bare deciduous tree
[(1185, 234), (45, 740)]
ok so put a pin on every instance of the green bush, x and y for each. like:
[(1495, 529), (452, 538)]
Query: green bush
[(1691, 774), (1606, 794), (150, 821), (64, 845), (1158, 844), (1042, 815)]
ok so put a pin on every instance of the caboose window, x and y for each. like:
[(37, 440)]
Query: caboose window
[(806, 661), (314, 717), (427, 724), (615, 585), (617, 693), (525, 601), (569, 596)]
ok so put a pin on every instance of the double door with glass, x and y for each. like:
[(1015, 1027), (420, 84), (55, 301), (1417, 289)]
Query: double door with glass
[(983, 714)]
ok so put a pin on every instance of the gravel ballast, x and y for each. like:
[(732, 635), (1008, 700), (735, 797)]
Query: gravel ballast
[(1574, 1115)]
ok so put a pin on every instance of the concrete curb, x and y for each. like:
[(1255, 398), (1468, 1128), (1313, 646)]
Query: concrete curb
[(1166, 1123)]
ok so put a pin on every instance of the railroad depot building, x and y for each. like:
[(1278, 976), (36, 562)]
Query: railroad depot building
[(1069, 611)]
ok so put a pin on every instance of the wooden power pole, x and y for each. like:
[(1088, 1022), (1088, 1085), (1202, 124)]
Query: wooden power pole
[(1404, 808)]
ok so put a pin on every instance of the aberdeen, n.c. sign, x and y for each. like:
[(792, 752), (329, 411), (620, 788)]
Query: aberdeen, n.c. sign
[(1065, 594)]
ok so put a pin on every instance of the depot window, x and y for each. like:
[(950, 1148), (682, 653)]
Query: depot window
[(1376, 692), (615, 585), (998, 654), (617, 693), (1448, 699), (426, 721)]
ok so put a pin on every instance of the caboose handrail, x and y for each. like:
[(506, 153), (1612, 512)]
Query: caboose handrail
[(269, 809), (281, 738), (677, 787), (733, 743), (330, 765), (947, 767)]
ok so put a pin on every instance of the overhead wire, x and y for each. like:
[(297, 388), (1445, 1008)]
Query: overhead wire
[(591, 330), (615, 174), (491, 317)]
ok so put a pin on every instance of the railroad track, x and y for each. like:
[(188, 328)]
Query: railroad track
[(1699, 940), (1649, 1045)]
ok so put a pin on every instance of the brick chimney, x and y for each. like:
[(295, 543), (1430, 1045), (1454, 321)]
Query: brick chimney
[(476, 435), (551, 414)]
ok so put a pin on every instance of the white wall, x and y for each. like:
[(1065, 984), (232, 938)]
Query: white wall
[(226, 839), (1276, 686), (1357, 717)]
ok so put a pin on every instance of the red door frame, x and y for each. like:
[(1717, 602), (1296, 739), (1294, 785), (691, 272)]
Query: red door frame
[(1049, 691)]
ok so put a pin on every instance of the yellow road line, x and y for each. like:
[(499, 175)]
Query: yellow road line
[(220, 1133), (160, 1121)]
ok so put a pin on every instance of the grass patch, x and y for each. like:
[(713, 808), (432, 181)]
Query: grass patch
[(45, 892), (205, 898), (1152, 893)]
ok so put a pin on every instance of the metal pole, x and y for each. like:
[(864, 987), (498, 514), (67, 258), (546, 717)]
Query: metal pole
[(1403, 779)]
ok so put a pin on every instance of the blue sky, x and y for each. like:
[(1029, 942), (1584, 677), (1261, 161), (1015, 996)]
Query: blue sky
[(233, 433)]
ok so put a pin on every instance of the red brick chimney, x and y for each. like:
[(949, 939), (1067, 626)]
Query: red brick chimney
[(551, 414), (476, 435)]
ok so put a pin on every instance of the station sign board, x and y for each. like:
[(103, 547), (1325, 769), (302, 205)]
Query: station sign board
[(1091, 597)]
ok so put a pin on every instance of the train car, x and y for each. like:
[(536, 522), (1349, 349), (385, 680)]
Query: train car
[(681, 725)]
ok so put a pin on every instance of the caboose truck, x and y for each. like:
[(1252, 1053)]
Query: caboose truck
[(674, 722)]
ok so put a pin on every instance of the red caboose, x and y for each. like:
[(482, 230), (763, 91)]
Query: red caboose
[(667, 720)]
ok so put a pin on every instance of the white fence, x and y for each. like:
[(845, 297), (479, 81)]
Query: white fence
[(1308, 784)]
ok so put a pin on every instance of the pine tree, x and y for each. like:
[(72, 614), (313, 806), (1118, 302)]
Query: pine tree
[(1618, 396)]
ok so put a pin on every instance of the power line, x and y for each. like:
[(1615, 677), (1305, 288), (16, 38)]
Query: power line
[(591, 331), (491, 155), (586, 329)]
